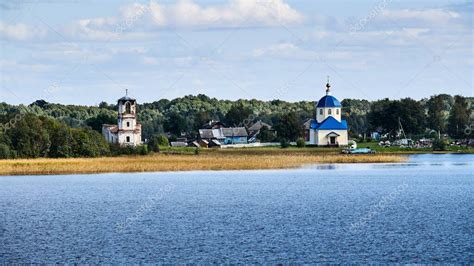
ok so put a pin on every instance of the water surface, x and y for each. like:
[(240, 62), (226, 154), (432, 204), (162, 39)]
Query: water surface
[(416, 212)]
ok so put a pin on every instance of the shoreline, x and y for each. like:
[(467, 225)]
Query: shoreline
[(182, 162)]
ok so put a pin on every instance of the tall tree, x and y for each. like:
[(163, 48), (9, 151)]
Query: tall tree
[(237, 114), (175, 124), (29, 138), (103, 118), (289, 127), (458, 118), (436, 120)]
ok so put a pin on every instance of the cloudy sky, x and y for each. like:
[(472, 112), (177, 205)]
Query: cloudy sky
[(88, 51)]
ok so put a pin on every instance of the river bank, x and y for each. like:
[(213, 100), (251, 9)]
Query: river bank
[(251, 160)]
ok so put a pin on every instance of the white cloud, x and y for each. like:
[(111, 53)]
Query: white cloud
[(438, 16), (19, 31), (186, 13), (148, 60), (11, 65), (293, 52)]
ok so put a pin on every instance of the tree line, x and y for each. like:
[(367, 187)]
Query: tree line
[(44, 129)]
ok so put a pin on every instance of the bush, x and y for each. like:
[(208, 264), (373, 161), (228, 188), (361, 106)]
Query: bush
[(117, 149), (142, 149), (157, 141), (5, 152), (439, 145), (300, 143), (284, 143)]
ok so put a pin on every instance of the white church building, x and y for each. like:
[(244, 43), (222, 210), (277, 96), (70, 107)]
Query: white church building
[(328, 129), (127, 131)]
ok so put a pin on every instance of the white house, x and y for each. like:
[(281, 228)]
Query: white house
[(328, 129), (127, 131)]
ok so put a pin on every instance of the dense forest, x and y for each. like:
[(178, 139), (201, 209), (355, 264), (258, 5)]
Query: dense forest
[(44, 129)]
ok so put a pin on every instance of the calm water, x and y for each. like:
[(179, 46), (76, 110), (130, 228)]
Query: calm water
[(418, 212)]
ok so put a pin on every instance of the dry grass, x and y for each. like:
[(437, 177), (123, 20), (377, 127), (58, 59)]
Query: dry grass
[(160, 162)]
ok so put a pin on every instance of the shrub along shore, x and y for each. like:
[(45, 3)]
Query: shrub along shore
[(224, 160)]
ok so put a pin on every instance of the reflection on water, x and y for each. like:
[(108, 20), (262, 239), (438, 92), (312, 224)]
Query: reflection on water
[(415, 161), (326, 166), (411, 213)]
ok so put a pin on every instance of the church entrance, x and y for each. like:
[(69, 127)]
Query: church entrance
[(332, 140)]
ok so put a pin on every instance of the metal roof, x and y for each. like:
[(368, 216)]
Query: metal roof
[(328, 101), (329, 123), (235, 132), (126, 98)]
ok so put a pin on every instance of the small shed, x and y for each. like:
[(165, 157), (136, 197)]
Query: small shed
[(178, 144)]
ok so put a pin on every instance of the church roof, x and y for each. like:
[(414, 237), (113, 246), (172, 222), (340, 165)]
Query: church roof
[(328, 101), (329, 123), (126, 98)]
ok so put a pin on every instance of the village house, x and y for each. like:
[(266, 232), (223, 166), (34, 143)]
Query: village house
[(328, 129), (223, 136), (127, 131), (254, 130)]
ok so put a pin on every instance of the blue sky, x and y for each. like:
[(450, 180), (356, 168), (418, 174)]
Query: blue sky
[(88, 51)]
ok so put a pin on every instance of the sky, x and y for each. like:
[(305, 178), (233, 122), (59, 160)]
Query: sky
[(88, 51)]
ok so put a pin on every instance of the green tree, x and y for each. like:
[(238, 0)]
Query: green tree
[(103, 118), (289, 127), (88, 143), (157, 141), (439, 145), (300, 143), (266, 135), (61, 139), (175, 124), (5, 152), (436, 120), (238, 114), (28, 137), (201, 118), (458, 118)]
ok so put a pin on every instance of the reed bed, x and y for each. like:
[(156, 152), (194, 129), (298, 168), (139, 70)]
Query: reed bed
[(160, 162)]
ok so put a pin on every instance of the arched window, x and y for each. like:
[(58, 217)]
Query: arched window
[(128, 139), (128, 124), (329, 111), (321, 111), (128, 108), (337, 111)]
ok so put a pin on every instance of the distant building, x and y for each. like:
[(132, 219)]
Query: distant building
[(254, 130), (224, 136), (235, 135), (127, 131), (328, 129), (213, 125)]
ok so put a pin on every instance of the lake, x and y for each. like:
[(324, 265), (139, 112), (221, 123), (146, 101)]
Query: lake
[(421, 211)]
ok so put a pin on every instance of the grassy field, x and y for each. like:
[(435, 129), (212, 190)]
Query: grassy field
[(206, 160)]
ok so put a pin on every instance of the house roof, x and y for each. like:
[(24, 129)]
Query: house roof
[(222, 133), (178, 144), (234, 132), (329, 123), (258, 125), (213, 124), (328, 101), (111, 128), (216, 142), (307, 123), (211, 134)]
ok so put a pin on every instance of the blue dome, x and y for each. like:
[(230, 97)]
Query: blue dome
[(328, 101)]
